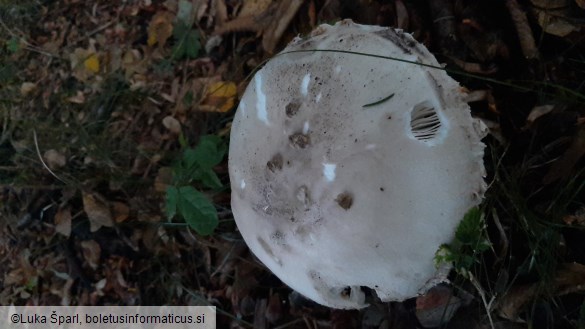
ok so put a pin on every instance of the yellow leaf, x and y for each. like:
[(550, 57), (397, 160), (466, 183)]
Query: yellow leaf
[(92, 63), (160, 28), (219, 97)]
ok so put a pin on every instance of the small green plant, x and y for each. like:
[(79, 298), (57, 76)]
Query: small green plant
[(196, 166), (470, 241), (13, 45), (187, 44)]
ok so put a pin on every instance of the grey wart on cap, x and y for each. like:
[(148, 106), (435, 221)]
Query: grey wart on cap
[(332, 195)]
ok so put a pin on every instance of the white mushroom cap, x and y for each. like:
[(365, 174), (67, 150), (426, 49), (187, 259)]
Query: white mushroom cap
[(331, 195)]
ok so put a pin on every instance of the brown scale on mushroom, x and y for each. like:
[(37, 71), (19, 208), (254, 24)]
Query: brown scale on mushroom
[(292, 108), (275, 164), (299, 140), (344, 200)]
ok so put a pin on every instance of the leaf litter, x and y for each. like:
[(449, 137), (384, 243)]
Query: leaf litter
[(119, 93)]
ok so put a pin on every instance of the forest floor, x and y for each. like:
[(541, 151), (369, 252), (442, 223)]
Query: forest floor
[(107, 109)]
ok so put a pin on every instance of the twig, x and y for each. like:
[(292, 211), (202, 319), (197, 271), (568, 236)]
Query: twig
[(487, 305)]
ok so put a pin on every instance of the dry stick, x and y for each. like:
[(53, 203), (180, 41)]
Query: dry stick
[(487, 305), (524, 31)]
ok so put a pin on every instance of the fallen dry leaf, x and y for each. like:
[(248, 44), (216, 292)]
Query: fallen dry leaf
[(133, 63), (160, 28), (578, 218), (274, 309), (253, 7), (570, 278), (97, 210), (120, 211), (270, 23), (92, 63), (84, 63), (172, 124), (219, 97), (437, 306), (54, 159), (79, 98), (163, 179), (91, 253), (537, 112), (27, 87), (556, 21), (63, 221), (402, 19)]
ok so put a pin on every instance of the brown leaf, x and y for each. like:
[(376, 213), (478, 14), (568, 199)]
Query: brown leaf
[(54, 159), (563, 167), (537, 112), (271, 23), (79, 98), (63, 221), (402, 21), (160, 28), (285, 13), (437, 306), (79, 60), (556, 21), (253, 7), (172, 124), (91, 253), (163, 179), (570, 278), (97, 210), (578, 218), (312, 13), (27, 88), (120, 211), (274, 309)]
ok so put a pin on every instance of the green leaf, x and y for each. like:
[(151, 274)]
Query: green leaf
[(178, 51), (13, 45), (183, 140), (470, 229), (180, 30), (190, 159), (187, 42), (171, 201), (209, 178), (198, 211), (209, 152), (192, 44)]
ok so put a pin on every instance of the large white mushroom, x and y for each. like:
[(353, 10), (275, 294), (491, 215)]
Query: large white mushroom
[(332, 195)]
